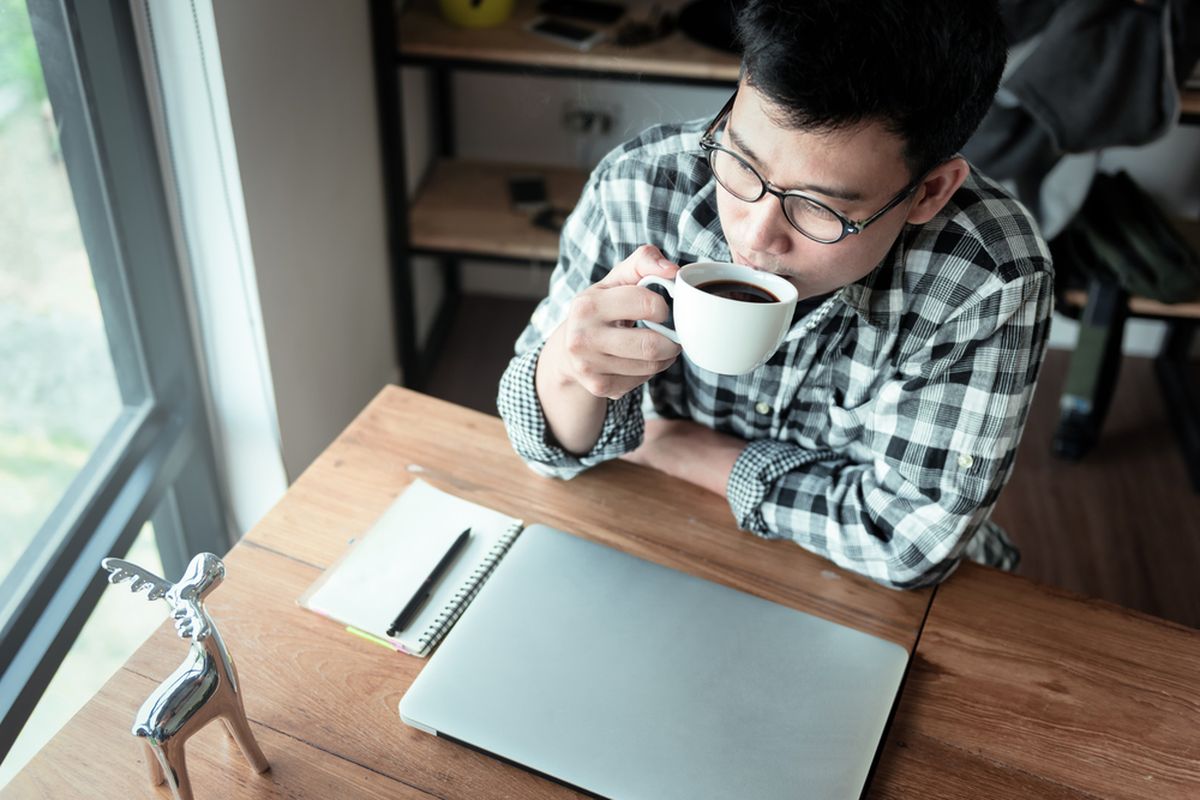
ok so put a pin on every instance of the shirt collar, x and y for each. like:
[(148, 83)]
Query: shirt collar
[(878, 298)]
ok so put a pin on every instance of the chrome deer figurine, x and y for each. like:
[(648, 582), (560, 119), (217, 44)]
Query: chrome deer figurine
[(205, 687)]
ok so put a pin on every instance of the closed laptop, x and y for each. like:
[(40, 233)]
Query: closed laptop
[(631, 680)]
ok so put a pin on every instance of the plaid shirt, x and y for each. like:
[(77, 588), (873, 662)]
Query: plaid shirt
[(881, 438)]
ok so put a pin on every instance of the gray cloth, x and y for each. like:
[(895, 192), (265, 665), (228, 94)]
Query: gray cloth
[(1099, 74)]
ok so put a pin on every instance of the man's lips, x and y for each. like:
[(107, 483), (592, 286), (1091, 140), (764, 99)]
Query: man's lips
[(738, 258)]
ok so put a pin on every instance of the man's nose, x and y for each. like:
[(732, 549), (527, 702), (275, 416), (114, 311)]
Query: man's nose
[(767, 229)]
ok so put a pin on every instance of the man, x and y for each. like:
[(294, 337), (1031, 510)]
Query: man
[(881, 432)]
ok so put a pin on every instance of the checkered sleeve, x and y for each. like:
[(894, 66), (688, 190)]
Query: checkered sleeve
[(531, 437), (588, 250), (943, 430)]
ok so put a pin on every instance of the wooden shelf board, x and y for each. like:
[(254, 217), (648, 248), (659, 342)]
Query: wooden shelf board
[(1190, 102), (422, 34), (1143, 305), (463, 207)]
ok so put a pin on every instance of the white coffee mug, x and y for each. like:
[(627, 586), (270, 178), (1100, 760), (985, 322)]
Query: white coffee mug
[(719, 333)]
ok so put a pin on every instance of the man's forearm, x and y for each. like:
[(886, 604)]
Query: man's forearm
[(574, 416), (687, 450)]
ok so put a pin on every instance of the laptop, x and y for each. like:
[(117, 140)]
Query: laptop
[(627, 679)]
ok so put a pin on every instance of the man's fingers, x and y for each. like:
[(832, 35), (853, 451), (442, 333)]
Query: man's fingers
[(612, 377), (619, 303), (635, 345), (590, 349), (603, 354), (626, 368), (646, 260), (634, 303)]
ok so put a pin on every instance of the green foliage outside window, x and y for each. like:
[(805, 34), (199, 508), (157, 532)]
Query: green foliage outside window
[(21, 83)]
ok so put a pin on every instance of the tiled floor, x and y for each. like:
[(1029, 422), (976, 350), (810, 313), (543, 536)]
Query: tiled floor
[(1123, 524)]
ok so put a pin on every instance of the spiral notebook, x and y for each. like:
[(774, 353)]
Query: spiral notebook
[(366, 589)]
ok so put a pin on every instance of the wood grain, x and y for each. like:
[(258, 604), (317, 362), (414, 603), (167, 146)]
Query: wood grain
[(96, 756), (1016, 690), (326, 701), (917, 766), (402, 435), (463, 206), (305, 675), (422, 35), (1013, 681)]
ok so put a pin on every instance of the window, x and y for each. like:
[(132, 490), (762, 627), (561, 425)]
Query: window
[(58, 389), (102, 424)]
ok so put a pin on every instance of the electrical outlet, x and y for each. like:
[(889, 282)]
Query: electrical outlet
[(587, 119)]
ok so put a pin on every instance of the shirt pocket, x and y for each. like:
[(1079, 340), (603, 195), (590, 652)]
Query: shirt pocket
[(815, 418), (848, 406), (845, 425)]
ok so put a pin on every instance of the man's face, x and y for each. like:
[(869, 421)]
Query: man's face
[(856, 171)]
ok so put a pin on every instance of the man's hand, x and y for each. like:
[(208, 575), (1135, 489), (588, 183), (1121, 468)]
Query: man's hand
[(685, 449), (597, 354), (597, 346)]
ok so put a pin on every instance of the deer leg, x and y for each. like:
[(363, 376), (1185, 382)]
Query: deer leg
[(239, 728), (153, 764), (175, 766)]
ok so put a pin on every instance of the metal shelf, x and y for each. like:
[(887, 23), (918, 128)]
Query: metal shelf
[(462, 208)]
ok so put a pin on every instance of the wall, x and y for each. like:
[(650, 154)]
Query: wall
[(299, 79), (182, 67), (537, 136)]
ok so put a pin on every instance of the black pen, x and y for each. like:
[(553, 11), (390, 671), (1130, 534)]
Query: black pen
[(418, 600)]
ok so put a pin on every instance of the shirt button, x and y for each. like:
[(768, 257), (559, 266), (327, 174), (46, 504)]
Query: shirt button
[(965, 461), (763, 408)]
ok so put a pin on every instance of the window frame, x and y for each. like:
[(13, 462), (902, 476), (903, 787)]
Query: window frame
[(156, 462)]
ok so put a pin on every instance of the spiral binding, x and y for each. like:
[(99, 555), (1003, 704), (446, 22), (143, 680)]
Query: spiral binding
[(463, 597)]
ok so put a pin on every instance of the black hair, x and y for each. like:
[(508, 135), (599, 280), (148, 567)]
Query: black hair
[(925, 69)]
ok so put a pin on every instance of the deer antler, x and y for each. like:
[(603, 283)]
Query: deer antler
[(191, 622), (120, 570)]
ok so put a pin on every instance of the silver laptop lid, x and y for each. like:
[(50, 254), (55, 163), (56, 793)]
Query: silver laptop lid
[(633, 680)]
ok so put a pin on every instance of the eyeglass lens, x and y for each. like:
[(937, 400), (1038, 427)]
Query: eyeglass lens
[(739, 179)]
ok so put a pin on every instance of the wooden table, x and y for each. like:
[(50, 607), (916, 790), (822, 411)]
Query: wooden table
[(323, 703), (1022, 691), (1015, 691)]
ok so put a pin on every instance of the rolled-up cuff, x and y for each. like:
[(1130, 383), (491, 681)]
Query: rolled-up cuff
[(761, 463), (531, 437)]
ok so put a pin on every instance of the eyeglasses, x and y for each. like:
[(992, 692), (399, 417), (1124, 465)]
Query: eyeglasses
[(807, 214)]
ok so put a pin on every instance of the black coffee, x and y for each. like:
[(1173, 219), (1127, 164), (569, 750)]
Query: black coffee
[(737, 290)]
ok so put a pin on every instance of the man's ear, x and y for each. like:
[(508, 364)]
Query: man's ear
[(937, 188)]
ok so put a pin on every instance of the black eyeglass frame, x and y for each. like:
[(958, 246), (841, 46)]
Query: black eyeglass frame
[(709, 145)]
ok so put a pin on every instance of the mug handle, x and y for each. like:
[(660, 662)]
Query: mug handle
[(654, 326)]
